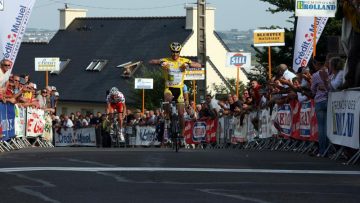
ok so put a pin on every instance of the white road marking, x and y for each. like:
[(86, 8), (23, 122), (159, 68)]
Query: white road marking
[(162, 169), (28, 189), (235, 196)]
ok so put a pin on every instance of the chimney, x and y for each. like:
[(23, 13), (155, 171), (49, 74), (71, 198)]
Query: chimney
[(191, 18), (67, 15)]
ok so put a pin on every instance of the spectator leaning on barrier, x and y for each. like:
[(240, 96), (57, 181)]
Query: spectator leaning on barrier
[(284, 71), (213, 104), (255, 90), (318, 87), (5, 67), (237, 105), (336, 66), (68, 122), (152, 119), (205, 112)]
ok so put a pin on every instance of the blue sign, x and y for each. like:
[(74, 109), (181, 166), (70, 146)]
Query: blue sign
[(7, 118)]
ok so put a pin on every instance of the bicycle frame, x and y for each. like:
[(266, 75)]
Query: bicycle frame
[(175, 126), (115, 127)]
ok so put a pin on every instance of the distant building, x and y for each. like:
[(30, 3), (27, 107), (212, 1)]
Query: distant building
[(97, 53)]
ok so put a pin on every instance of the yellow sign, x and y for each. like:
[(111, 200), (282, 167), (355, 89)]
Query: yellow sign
[(195, 74), (274, 37)]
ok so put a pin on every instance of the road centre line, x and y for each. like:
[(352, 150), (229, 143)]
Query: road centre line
[(162, 169)]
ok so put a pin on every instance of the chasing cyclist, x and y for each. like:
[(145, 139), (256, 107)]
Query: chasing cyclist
[(116, 104), (174, 72)]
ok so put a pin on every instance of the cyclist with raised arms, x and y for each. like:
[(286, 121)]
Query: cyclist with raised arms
[(116, 104), (174, 72)]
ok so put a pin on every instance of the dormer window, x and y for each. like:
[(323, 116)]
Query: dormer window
[(96, 65)]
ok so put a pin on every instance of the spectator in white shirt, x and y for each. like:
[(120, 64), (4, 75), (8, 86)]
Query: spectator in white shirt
[(336, 66), (68, 122), (5, 67), (285, 73)]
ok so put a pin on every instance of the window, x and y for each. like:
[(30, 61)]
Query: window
[(96, 65), (63, 64)]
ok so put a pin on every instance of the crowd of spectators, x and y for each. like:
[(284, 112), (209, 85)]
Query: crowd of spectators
[(324, 74), (20, 90), (315, 82)]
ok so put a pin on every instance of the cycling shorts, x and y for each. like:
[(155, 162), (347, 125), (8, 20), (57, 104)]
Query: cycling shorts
[(177, 92), (119, 107)]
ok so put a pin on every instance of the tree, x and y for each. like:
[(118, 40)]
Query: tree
[(285, 54), (152, 97), (222, 89)]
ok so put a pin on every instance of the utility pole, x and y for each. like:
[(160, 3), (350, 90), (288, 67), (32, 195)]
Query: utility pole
[(201, 45)]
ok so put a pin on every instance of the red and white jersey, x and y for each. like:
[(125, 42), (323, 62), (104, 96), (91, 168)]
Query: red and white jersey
[(115, 97)]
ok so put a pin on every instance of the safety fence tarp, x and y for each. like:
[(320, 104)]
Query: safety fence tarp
[(343, 118), (75, 137)]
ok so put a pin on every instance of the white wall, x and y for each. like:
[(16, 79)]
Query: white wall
[(215, 50), (67, 15), (72, 107)]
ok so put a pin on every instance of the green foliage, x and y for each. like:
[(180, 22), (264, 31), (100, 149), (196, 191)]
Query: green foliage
[(154, 96), (284, 54), (281, 5), (222, 89)]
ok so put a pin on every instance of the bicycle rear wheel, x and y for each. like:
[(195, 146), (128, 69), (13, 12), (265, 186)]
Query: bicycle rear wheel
[(175, 132)]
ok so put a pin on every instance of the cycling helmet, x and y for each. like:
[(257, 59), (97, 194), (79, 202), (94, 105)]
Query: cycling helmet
[(113, 90), (175, 47)]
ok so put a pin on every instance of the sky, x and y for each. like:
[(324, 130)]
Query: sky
[(229, 14)]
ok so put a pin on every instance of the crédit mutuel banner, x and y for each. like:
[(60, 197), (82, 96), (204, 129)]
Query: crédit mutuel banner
[(304, 39), (306, 10), (14, 16)]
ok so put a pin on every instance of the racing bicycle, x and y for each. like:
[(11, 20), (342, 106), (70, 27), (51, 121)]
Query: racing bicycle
[(115, 131), (174, 127)]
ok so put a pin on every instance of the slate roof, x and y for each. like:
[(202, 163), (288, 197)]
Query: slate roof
[(118, 40)]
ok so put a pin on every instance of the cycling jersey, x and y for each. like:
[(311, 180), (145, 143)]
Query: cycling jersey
[(118, 98), (173, 75)]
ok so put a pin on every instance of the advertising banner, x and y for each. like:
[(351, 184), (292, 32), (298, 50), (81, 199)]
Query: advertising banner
[(284, 119), (7, 118), (240, 130), (275, 37), (316, 8), (197, 132), (14, 17), (65, 137), (144, 83), (195, 74), (35, 122), (343, 117), (252, 120), (47, 64), (48, 133), (265, 124), (146, 135), (20, 116), (308, 123), (238, 59), (304, 39), (295, 118)]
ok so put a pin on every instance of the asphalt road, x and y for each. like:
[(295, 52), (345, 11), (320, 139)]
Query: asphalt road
[(161, 175)]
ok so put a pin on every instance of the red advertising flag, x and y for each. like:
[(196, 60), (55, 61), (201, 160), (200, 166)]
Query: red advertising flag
[(196, 132), (295, 118)]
